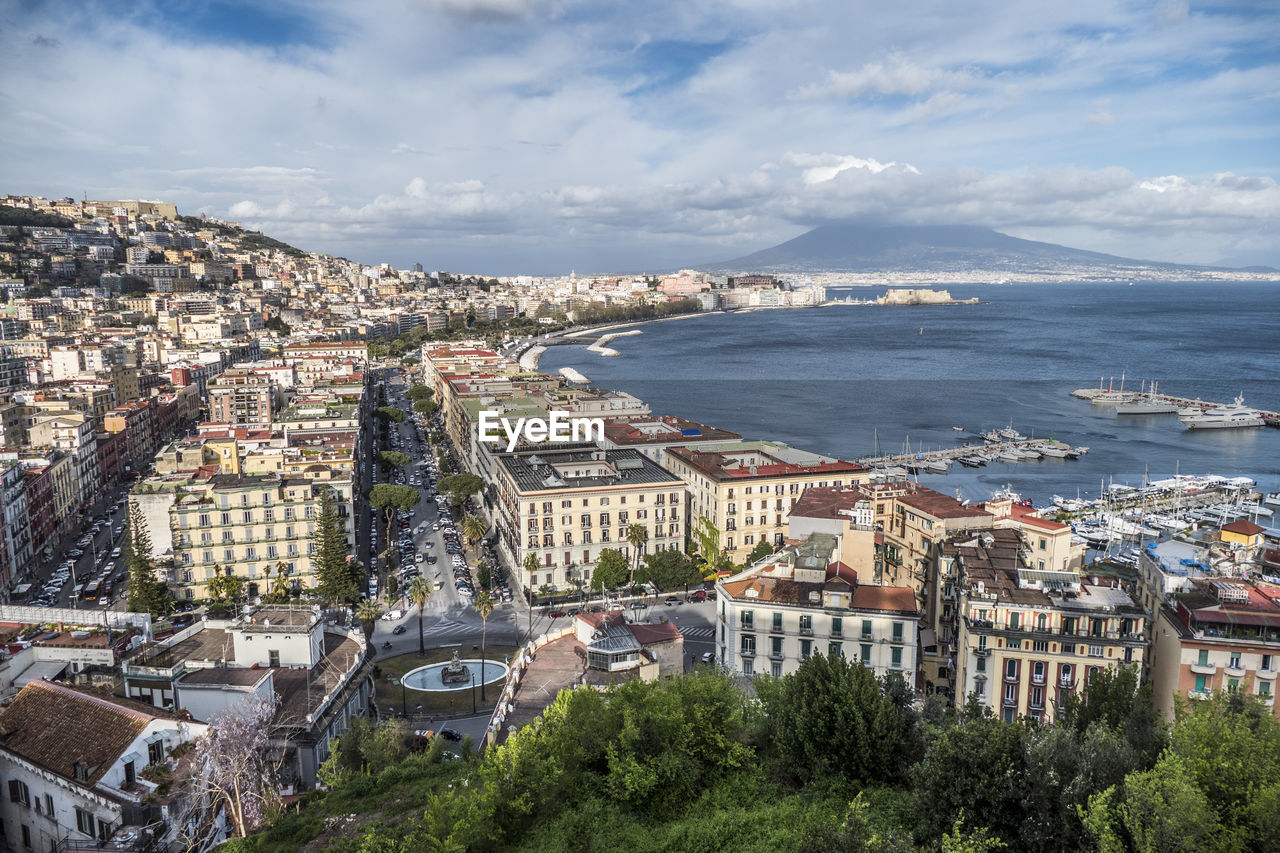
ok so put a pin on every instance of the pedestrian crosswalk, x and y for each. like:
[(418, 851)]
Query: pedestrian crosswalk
[(702, 632)]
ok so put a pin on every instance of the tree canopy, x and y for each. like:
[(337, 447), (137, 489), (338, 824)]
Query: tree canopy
[(147, 594), (337, 577), (389, 413), (459, 487), (611, 570)]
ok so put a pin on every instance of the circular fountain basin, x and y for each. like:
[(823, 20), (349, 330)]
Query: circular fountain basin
[(428, 677)]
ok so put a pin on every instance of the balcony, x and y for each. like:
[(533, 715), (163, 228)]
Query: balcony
[(776, 655), (1266, 674), (1204, 668), (777, 629), (1067, 683), (866, 635), (747, 653), (1235, 670), (806, 630), (837, 633), (1037, 679)]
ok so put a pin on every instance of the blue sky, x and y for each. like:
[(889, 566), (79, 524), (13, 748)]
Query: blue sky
[(504, 136)]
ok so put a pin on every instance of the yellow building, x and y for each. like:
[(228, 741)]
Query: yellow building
[(1243, 534), (746, 488), (1028, 637)]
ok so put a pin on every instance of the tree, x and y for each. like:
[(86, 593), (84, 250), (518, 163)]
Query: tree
[(419, 592), (1117, 699), (706, 540), (831, 718), (389, 413), (236, 770), (224, 589), (459, 487), (146, 593), (368, 612), (531, 565), (763, 549), (426, 408), (419, 392), (389, 498), (611, 571), (277, 325), (394, 459), (474, 528), (637, 535), (335, 574), (484, 606), (668, 570)]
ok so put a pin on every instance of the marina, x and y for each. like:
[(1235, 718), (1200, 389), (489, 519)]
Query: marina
[(1194, 414), (1003, 445)]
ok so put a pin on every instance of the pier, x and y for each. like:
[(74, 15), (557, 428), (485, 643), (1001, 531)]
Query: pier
[(1272, 419), (975, 455)]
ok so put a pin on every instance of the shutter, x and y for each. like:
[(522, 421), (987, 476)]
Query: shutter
[(15, 792)]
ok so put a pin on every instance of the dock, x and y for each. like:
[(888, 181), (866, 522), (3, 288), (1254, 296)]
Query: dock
[(975, 455), (1272, 419)]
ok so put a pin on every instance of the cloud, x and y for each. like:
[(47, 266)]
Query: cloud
[(897, 76), (820, 168), (1100, 117), (44, 41)]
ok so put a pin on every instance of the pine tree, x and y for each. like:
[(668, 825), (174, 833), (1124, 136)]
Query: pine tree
[(336, 576), (146, 593)]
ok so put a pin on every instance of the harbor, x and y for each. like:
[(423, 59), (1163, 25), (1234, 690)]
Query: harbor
[(1002, 445), (1194, 413)]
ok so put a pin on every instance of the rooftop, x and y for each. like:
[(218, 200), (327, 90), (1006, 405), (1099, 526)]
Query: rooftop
[(661, 430), (585, 468), (759, 460)]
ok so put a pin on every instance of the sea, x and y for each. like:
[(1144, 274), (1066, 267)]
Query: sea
[(858, 380)]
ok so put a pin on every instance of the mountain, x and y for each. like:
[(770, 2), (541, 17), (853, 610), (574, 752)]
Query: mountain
[(929, 248)]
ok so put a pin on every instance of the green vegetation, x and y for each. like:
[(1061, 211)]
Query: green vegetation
[(419, 392), (389, 413), (594, 312), (278, 326), (338, 578), (247, 240), (393, 459), (459, 487), (33, 218), (668, 570), (147, 594)]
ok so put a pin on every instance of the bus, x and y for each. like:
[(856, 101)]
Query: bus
[(91, 591)]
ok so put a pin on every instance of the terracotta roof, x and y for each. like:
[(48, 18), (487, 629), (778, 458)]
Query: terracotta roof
[(56, 727), (1244, 527), (830, 502), (650, 633), (843, 572), (939, 505)]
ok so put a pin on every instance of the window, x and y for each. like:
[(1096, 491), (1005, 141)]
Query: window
[(806, 648), (866, 629), (833, 650), (1200, 684), (775, 647), (155, 752), (747, 619), (777, 621), (1011, 669), (84, 821), (19, 793), (1011, 694), (1264, 688), (1014, 619), (1037, 697), (1203, 659), (1235, 661), (48, 806), (806, 624), (897, 632), (1037, 672), (775, 669), (248, 516), (895, 657), (273, 658), (1066, 677), (837, 626), (748, 667), (1095, 651), (980, 688), (982, 664), (866, 654), (748, 644), (26, 836), (130, 774), (1266, 662)]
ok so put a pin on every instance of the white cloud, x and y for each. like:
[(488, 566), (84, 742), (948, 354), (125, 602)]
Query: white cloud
[(897, 76)]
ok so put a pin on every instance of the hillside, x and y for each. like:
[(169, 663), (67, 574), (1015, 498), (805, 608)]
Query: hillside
[(931, 248)]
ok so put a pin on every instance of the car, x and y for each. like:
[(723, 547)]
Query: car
[(615, 607), (450, 734), (636, 605), (417, 558), (555, 614), (399, 629), (698, 595), (707, 657), (115, 553)]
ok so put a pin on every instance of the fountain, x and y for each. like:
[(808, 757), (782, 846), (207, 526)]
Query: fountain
[(455, 675), (455, 672)]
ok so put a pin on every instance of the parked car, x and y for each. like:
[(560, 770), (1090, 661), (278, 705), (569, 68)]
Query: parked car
[(671, 601), (399, 629)]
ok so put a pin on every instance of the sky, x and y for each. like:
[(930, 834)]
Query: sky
[(540, 136)]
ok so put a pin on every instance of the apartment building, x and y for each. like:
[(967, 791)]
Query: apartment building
[(1028, 637), (72, 763), (137, 421), (255, 527), (807, 602), (654, 435), (1219, 634), (565, 505), (15, 537), (243, 395), (746, 489), (72, 432)]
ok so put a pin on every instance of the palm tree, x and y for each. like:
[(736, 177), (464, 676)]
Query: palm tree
[(474, 528), (419, 592), (368, 612), (637, 535), (484, 606), (531, 565)]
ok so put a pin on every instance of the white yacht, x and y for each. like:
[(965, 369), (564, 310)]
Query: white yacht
[(1145, 406), (1225, 417)]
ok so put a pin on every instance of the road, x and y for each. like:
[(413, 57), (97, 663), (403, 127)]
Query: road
[(94, 562)]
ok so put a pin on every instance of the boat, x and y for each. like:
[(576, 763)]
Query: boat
[(1010, 455), (1111, 397), (958, 429), (972, 460), (1141, 406), (991, 436), (1273, 500), (1053, 451), (1256, 510), (1234, 416), (1010, 434)]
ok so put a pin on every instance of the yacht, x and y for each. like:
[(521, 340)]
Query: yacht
[(1051, 450), (1146, 406), (1010, 434), (1225, 417)]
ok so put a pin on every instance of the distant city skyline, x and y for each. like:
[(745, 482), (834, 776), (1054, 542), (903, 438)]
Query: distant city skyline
[(539, 136)]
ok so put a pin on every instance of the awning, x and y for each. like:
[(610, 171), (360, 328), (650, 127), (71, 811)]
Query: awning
[(42, 671), (928, 637)]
